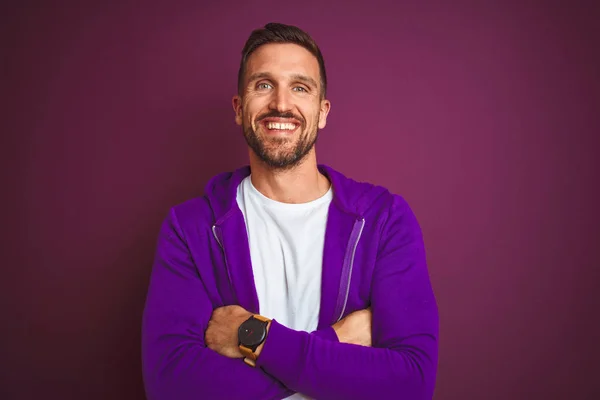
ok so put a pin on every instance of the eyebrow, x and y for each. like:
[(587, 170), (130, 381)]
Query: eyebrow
[(297, 77)]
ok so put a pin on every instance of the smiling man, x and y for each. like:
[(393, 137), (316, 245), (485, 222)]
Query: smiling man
[(288, 279)]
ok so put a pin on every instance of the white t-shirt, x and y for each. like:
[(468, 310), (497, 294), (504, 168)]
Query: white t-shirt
[(286, 249)]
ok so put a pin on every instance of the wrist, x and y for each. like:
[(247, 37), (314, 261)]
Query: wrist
[(338, 328), (252, 334)]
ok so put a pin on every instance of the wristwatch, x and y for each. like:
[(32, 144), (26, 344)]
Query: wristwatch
[(251, 334)]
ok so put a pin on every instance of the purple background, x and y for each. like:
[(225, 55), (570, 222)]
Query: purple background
[(485, 117)]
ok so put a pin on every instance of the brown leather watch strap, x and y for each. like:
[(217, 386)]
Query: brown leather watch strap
[(261, 318), (250, 362), (247, 352), (249, 355)]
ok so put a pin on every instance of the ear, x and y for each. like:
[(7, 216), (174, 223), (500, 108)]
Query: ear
[(237, 108), (324, 111)]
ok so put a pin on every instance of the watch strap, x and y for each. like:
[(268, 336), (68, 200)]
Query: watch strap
[(261, 318), (249, 353), (250, 362)]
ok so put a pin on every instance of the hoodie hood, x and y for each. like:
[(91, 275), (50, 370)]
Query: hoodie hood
[(349, 196)]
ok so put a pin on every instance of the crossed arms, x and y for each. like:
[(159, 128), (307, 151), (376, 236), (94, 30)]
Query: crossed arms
[(178, 363)]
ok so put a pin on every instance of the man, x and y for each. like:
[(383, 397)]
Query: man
[(287, 279)]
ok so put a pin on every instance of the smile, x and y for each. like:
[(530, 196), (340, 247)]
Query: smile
[(280, 126)]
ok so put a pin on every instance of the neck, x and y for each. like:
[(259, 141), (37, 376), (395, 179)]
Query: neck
[(301, 184)]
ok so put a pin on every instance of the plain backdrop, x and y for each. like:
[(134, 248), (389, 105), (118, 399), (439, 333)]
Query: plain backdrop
[(483, 115)]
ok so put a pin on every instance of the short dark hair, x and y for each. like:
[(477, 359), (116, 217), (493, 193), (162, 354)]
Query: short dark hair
[(281, 33)]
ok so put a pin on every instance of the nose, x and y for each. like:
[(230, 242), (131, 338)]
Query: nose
[(280, 100)]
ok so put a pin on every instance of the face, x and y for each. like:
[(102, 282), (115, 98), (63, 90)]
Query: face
[(281, 109)]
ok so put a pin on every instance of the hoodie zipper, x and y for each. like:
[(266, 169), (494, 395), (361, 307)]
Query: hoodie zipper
[(346, 276), (220, 241)]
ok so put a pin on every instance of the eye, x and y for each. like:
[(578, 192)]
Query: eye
[(300, 89), (263, 86)]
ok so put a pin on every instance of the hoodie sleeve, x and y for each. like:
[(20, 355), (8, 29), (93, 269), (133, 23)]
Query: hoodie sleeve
[(176, 363), (403, 360)]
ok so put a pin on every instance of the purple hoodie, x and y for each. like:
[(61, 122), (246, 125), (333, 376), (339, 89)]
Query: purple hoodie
[(373, 256)]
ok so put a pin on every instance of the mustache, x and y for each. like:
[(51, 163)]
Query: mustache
[(276, 114)]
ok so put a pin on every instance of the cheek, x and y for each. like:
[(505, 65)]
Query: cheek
[(249, 114), (247, 118), (316, 117)]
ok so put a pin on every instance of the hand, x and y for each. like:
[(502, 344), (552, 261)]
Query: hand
[(222, 332), (355, 328)]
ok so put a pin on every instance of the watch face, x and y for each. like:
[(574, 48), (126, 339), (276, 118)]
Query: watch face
[(252, 332)]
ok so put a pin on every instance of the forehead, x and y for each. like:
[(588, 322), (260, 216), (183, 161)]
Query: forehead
[(281, 59)]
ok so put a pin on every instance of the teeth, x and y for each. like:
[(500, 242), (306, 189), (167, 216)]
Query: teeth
[(276, 125)]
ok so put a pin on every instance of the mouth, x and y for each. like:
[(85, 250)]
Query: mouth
[(281, 126)]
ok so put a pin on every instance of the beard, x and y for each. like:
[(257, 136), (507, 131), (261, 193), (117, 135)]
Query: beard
[(275, 151)]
